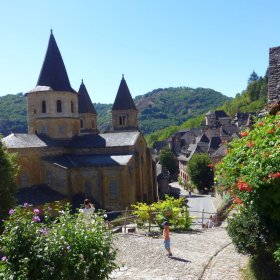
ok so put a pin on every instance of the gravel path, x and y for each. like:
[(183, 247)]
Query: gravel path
[(198, 255)]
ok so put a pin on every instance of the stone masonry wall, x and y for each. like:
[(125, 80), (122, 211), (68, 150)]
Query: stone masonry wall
[(274, 76)]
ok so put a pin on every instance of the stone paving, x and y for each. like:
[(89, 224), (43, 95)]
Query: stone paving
[(199, 255), (225, 266)]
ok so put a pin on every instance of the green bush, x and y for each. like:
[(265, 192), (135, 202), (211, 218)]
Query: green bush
[(248, 232), (172, 210), (67, 247)]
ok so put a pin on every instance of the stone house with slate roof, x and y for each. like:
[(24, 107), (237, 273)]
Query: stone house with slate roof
[(63, 155)]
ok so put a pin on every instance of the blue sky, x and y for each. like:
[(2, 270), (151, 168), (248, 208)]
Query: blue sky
[(154, 43)]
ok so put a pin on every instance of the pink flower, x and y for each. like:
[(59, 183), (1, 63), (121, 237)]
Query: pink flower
[(44, 231), (25, 205), (11, 211), (36, 219), (4, 259), (36, 211)]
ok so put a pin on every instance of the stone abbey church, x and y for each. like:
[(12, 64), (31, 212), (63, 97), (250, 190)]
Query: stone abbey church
[(63, 155)]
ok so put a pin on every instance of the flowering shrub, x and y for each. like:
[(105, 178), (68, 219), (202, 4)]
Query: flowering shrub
[(250, 173), (66, 247), (170, 209)]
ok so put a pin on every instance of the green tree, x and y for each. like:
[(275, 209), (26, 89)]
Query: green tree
[(253, 77), (168, 160), (200, 170), (8, 172)]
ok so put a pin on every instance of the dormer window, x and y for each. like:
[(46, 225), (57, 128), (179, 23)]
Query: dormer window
[(58, 106), (44, 106)]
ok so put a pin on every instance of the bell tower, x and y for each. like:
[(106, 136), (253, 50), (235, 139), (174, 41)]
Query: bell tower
[(124, 111), (52, 106), (87, 113)]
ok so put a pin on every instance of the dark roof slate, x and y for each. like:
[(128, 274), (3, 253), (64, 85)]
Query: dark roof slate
[(204, 138), (77, 161), (23, 140), (221, 114), (220, 152), (84, 102), (53, 72), (104, 140), (215, 142), (38, 195), (123, 100)]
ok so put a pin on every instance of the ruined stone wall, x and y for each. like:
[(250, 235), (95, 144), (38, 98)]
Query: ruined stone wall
[(274, 76)]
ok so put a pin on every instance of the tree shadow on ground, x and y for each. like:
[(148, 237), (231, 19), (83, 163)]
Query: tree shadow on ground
[(189, 231)]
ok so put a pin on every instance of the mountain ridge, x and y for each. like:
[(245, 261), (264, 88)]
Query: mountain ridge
[(159, 108)]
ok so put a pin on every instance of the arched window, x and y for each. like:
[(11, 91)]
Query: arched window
[(82, 123), (72, 107), (58, 106), (122, 120), (44, 106)]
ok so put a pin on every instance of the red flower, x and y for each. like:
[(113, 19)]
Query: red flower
[(244, 133), (271, 131), (242, 186), (261, 123), (274, 175), (211, 165), (250, 144), (237, 201)]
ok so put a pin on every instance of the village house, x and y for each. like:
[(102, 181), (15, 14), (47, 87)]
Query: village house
[(63, 155)]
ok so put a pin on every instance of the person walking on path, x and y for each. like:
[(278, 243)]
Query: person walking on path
[(166, 238)]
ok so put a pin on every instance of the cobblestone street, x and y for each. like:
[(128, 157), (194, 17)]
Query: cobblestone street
[(199, 255)]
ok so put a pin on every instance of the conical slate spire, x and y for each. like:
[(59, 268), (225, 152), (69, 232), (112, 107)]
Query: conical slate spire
[(53, 72), (84, 102), (123, 100)]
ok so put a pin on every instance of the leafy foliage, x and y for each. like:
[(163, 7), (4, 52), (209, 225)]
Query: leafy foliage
[(247, 223), (172, 210), (8, 172), (68, 247), (173, 106), (250, 174), (253, 77), (168, 160), (13, 115), (253, 99), (200, 171)]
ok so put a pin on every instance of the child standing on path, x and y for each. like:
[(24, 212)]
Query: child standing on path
[(166, 238)]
